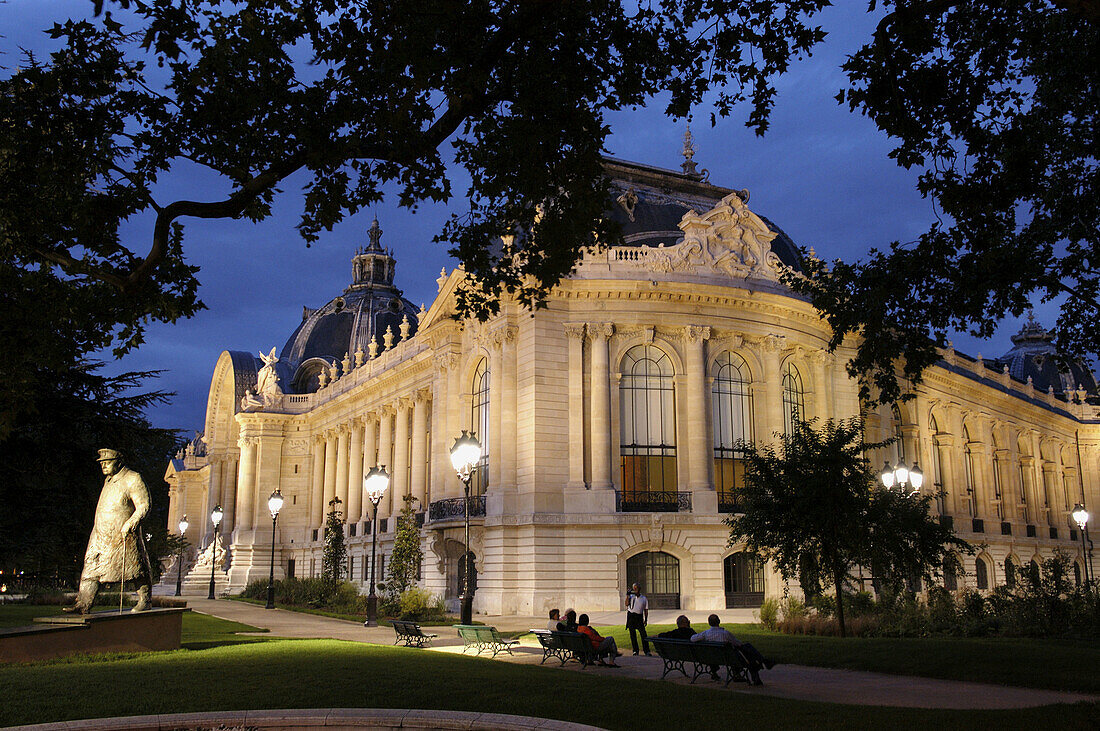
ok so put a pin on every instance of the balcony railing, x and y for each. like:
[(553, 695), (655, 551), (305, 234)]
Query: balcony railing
[(729, 502), (652, 501), (455, 507)]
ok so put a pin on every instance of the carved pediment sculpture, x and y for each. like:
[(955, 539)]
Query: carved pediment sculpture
[(729, 238)]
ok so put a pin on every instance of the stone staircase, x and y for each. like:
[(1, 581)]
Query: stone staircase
[(196, 576)]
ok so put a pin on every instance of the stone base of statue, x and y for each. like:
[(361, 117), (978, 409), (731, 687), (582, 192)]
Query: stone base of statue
[(97, 632)]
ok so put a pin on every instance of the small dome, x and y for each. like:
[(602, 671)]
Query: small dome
[(349, 322), (1033, 354)]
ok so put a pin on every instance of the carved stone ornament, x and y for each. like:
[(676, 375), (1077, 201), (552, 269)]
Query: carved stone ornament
[(656, 531), (696, 333), (628, 201), (729, 239), (574, 330)]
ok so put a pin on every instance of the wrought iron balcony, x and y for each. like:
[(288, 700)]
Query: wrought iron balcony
[(652, 501), (455, 507), (729, 502)]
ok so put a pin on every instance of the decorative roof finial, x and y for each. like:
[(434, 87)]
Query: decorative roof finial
[(688, 165), (375, 234)]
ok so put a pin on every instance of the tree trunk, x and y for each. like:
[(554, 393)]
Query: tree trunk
[(838, 580)]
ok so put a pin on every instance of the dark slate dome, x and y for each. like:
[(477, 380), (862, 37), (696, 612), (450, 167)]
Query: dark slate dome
[(1033, 354), (650, 202), (366, 309)]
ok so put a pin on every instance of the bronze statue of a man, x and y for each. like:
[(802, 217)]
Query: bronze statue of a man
[(116, 547)]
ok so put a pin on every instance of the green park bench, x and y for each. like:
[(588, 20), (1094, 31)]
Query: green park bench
[(483, 639)]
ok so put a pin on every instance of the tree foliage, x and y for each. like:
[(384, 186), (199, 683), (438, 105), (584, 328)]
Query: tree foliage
[(404, 565), (50, 480), (814, 509), (334, 555), (349, 98), (997, 103)]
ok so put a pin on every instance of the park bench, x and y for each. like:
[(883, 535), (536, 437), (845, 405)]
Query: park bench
[(551, 646), (410, 633), (577, 645), (483, 638), (702, 656)]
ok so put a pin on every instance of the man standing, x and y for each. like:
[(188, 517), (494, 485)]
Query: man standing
[(116, 548), (637, 617)]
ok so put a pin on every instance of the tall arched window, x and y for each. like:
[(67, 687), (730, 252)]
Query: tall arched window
[(479, 424), (731, 410), (1025, 479), (981, 573), (1010, 573), (997, 489), (898, 447), (793, 402), (647, 422), (968, 471), (939, 483)]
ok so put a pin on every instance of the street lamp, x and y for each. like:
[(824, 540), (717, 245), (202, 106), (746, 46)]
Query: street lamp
[(1081, 518), (465, 455), (902, 477), (274, 504), (179, 571), (216, 519), (374, 485)]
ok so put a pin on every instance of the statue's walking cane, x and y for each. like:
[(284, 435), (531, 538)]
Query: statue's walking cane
[(122, 575)]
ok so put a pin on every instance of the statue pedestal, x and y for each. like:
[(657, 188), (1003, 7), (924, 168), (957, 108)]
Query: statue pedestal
[(107, 631)]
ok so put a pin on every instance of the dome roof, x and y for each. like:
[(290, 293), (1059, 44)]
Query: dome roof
[(650, 202), (1034, 355), (369, 307)]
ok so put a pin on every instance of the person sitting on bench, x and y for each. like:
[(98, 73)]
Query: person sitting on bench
[(568, 621), (753, 659), (604, 646), (683, 630)]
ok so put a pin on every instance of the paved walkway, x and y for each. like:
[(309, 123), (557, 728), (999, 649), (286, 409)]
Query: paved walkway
[(784, 681)]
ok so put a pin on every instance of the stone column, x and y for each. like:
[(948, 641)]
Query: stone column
[(213, 497), (355, 474), (575, 334), (370, 444), (317, 484), (246, 483), (442, 408), (601, 406), (770, 405), (822, 407), (330, 473), (506, 455), (385, 452), (399, 485), (229, 495), (342, 465), (695, 338), (945, 444), (1050, 481), (420, 447)]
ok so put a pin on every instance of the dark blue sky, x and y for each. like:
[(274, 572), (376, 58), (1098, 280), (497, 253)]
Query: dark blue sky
[(821, 173)]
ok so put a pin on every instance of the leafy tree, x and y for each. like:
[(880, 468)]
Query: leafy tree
[(50, 481), (350, 97), (407, 553), (815, 510), (997, 103), (334, 556)]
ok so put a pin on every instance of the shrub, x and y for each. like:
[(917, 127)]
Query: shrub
[(793, 608), (769, 613), (419, 604), (313, 593)]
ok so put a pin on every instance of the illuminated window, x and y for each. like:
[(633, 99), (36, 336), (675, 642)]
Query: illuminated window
[(731, 410), (647, 422), (794, 407)]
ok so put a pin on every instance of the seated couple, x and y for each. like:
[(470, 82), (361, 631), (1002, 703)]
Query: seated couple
[(754, 661), (604, 647)]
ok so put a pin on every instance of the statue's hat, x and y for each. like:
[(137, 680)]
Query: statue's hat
[(106, 454)]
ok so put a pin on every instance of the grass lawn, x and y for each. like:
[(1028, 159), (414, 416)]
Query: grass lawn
[(333, 674), (1030, 663)]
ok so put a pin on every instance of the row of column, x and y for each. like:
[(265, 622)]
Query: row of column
[(395, 436), (698, 457)]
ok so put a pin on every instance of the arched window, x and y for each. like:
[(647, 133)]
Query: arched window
[(1076, 574), (794, 407), (898, 447), (938, 481), (731, 409), (647, 422), (479, 424), (1010, 573), (1033, 572), (968, 470), (1025, 479), (981, 573), (997, 491), (950, 580)]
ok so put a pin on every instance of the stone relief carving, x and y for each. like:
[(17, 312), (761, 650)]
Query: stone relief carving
[(656, 530), (628, 201), (574, 330), (729, 238), (297, 447)]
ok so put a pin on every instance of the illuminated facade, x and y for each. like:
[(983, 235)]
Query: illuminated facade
[(609, 420)]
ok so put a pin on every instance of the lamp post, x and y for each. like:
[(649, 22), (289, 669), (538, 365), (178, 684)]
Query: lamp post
[(374, 485), (274, 504), (902, 477), (465, 454), (216, 519), (1081, 518), (179, 569)]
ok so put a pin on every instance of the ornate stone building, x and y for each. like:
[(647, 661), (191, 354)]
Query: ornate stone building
[(608, 421)]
